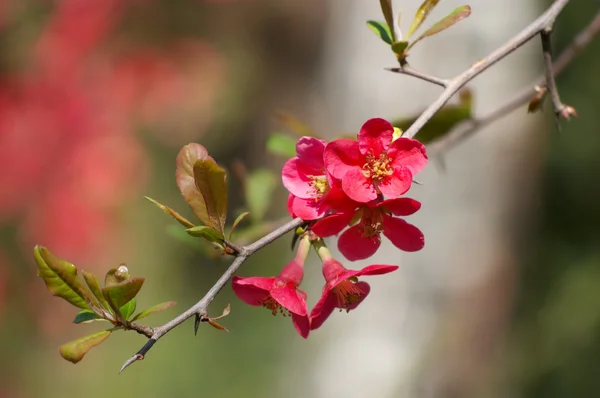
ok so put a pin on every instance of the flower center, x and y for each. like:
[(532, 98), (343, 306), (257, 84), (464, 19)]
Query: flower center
[(319, 186), (377, 168), (272, 305), (371, 223), (347, 293)]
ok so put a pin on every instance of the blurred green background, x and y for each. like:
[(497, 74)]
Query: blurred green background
[(96, 99)]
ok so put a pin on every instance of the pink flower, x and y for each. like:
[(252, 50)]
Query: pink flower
[(375, 165), (362, 240), (312, 190), (342, 289), (280, 293)]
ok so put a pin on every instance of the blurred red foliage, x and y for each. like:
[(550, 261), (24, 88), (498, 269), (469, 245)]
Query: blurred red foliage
[(69, 153)]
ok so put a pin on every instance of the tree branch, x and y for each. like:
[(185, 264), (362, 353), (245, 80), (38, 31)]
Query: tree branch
[(546, 36), (407, 70), (456, 83), (470, 127), (200, 308)]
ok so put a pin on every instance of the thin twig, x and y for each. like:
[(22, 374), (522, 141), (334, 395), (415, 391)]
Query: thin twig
[(407, 70), (546, 36), (200, 308), (470, 127), (456, 83)]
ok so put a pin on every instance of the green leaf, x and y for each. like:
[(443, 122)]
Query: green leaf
[(211, 181), (75, 350), (202, 231), (60, 277), (399, 48), (388, 14), (92, 282), (382, 30), (442, 122), (187, 157), (116, 275), (86, 316), (128, 309), (153, 309), (259, 192), (237, 221), (178, 217), (281, 145), (455, 16), (421, 15), (119, 294)]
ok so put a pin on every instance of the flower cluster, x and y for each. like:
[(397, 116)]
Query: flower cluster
[(346, 186), (345, 182)]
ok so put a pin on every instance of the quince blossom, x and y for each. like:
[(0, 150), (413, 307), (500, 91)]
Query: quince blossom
[(281, 293), (362, 239), (375, 164), (342, 288)]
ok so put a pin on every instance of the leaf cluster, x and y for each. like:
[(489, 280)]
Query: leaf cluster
[(114, 303), (389, 31)]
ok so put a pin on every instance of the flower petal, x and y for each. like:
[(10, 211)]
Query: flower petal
[(403, 235), (355, 246), (302, 324), (401, 206), (358, 187), (332, 225), (296, 180), (342, 155), (310, 152), (377, 269), (398, 183), (290, 205), (288, 298), (408, 153), (365, 289), (321, 311), (337, 199), (375, 136), (251, 291), (308, 209)]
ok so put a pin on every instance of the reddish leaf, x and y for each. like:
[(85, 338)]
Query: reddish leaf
[(421, 15), (121, 293), (75, 350), (186, 159), (211, 181), (178, 217), (61, 278), (455, 16), (537, 100)]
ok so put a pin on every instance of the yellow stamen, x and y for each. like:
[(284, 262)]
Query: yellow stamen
[(377, 168), (319, 185)]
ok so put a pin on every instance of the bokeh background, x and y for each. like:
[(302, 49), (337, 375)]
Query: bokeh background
[(97, 97)]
